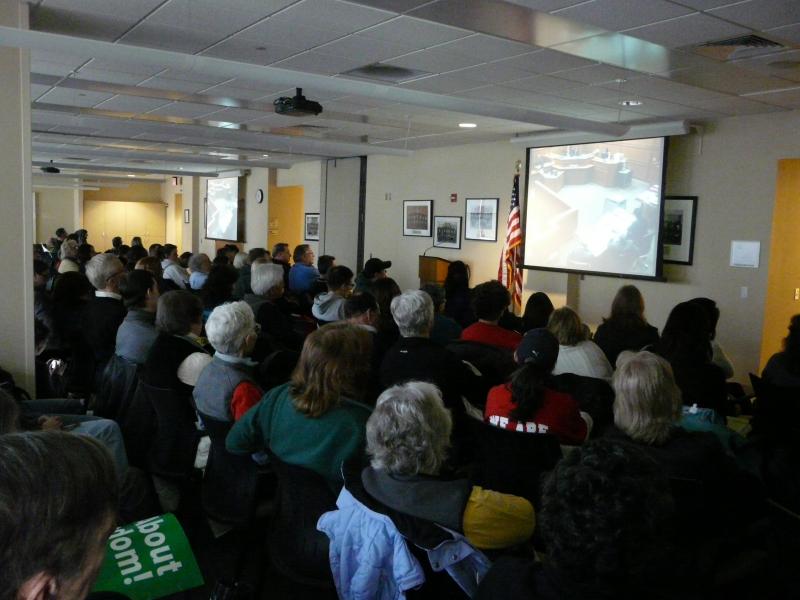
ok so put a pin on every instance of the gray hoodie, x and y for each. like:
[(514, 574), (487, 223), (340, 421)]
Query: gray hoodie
[(328, 307)]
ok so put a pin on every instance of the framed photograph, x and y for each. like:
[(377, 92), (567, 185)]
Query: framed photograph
[(680, 214), (447, 232), (418, 217), (311, 231), (481, 217), (187, 215)]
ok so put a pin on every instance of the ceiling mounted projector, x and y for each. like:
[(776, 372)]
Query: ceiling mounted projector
[(50, 168), (298, 106)]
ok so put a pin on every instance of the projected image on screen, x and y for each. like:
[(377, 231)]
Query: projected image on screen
[(595, 207), (222, 209)]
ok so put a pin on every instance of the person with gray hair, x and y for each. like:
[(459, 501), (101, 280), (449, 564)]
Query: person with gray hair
[(105, 312), (226, 388), (407, 441), (416, 357), (266, 280), (199, 267), (58, 505), (68, 253), (240, 260)]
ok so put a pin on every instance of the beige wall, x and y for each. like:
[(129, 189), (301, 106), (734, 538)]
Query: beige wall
[(55, 208), (308, 175), (135, 192), (731, 166)]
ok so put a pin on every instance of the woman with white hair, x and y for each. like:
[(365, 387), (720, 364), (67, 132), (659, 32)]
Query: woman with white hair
[(199, 267), (407, 441), (267, 283), (226, 388), (68, 253)]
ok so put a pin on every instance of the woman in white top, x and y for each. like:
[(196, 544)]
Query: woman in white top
[(577, 354)]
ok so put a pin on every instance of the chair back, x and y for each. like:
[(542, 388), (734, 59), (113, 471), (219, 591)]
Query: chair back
[(276, 369), (174, 444), (117, 387), (495, 364), (776, 412), (230, 481), (512, 462), (297, 549), (594, 396)]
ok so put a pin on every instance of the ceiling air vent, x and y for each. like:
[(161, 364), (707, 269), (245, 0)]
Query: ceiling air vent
[(745, 46), (387, 73)]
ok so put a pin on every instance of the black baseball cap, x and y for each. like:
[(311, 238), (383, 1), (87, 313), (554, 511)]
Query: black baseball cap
[(538, 346), (376, 265)]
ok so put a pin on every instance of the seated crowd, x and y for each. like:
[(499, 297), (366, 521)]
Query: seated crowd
[(400, 403)]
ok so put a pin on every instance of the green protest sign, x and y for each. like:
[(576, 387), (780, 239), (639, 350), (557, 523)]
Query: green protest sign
[(149, 559)]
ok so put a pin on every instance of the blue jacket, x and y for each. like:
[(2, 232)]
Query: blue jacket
[(371, 559), (302, 277)]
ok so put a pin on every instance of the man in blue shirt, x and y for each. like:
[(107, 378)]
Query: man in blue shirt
[(303, 273)]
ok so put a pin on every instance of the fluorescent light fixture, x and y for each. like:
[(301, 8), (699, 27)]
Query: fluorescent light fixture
[(631, 103), (560, 137), (130, 175), (265, 155), (468, 125)]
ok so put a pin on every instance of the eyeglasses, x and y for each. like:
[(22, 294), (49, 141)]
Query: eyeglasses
[(256, 329)]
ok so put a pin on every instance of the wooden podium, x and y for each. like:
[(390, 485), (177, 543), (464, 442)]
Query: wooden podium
[(432, 269)]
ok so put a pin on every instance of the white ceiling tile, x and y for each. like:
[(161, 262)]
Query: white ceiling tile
[(214, 16), (705, 4), (596, 74), (616, 15), (249, 51), (98, 26), (790, 33), (194, 77), (48, 68), (589, 93), (174, 85), (237, 115), (785, 65), (235, 90), (108, 76), (398, 6), (122, 9), (72, 97), (434, 60), (544, 84), (738, 106), (416, 32), (330, 15), (368, 49), (153, 34), (131, 104), (664, 89), (319, 62), (442, 84), (71, 60), (141, 68), (486, 47), (729, 79), (546, 61), (298, 36), (38, 90), (761, 14), (688, 30), (495, 72), (545, 5), (787, 99), (188, 110)]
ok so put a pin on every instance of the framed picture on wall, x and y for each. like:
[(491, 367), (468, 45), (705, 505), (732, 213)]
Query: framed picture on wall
[(447, 232), (417, 217), (311, 230), (481, 217), (680, 214)]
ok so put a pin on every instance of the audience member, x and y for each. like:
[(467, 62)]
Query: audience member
[(605, 519), (226, 388), (527, 404), (58, 505), (458, 296), (153, 264), (239, 260), (68, 253), (303, 273), (445, 329), (783, 368), (538, 309), (84, 255), (177, 357), (242, 287), (218, 288), (576, 354), (172, 267), (199, 267), (280, 255), (374, 270), (137, 333), (154, 250), (116, 242), (718, 356), (626, 328), (489, 301), (136, 241), (42, 305), (105, 311), (183, 260), (384, 291), (324, 264), (329, 307), (316, 421), (133, 256), (267, 285), (686, 344)]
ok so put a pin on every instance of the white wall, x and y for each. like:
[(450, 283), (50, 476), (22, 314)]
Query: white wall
[(732, 169)]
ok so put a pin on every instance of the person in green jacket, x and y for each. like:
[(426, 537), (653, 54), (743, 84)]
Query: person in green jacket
[(316, 420)]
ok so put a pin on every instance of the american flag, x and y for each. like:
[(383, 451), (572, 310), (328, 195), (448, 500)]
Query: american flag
[(510, 271)]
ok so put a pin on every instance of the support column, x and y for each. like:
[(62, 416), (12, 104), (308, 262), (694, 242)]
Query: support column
[(16, 205)]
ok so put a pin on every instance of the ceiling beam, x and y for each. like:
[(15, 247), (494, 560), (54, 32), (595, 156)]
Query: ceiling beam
[(92, 167), (188, 63)]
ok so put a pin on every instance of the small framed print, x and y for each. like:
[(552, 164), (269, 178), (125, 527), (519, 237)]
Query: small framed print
[(417, 217), (447, 232), (311, 231), (481, 217), (680, 213), (187, 215)]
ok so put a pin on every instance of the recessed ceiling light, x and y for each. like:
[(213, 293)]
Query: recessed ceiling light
[(265, 155), (129, 175), (468, 125), (180, 168), (631, 103)]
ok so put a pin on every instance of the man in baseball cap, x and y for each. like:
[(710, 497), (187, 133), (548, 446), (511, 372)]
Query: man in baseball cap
[(374, 269)]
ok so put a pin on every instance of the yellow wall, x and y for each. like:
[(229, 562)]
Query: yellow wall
[(135, 192), (104, 220), (286, 217), (784, 265), (54, 208)]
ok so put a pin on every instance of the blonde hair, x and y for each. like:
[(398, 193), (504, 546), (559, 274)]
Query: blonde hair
[(648, 401), (334, 363), (566, 325)]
